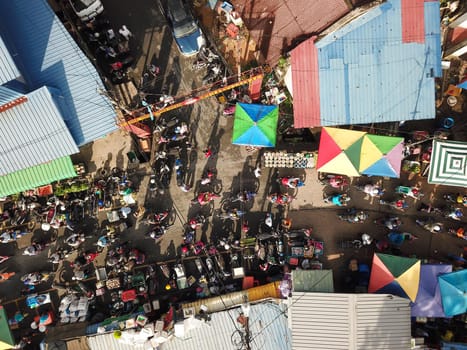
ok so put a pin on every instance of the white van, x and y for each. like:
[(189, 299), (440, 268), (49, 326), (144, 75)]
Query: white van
[(87, 9)]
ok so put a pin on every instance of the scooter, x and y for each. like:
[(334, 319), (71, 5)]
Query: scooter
[(339, 200), (458, 198), (291, 182), (280, 198), (207, 177), (35, 278), (400, 204), (454, 213), (413, 192), (371, 190), (354, 217)]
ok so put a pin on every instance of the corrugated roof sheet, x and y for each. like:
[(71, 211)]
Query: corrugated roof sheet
[(33, 133), (325, 321), (367, 74), (8, 69), (413, 24), (305, 81), (276, 24), (8, 95), (39, 175), (268, 329), (47, 55)]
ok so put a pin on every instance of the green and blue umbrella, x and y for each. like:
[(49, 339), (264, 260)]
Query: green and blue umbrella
[(255, 125)]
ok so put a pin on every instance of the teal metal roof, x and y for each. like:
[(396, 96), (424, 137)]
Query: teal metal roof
[(32, 132), (47, 55), (36, 176)]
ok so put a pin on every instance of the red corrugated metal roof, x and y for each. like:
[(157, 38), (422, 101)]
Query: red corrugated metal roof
[(305, 85), (275, 24), (413, 21)]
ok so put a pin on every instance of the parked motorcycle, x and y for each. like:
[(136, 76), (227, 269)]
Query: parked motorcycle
[(231, 214), (391, 222), (229, 110), (35, 249), (196, 221), (291, 182), (244, 196), (204, 198), (335, 181), (280, 198), (5, 276), (339, 200), (354, 217), (456, 198), (430, 225), (157, 218)]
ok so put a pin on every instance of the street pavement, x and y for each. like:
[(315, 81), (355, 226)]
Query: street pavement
[(153, 42)]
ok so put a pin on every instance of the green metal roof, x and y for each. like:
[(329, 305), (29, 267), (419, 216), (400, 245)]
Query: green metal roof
[(39, 175), (313, 281), (5, 334)]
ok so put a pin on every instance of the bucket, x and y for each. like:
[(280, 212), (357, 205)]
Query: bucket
[(448, 123)]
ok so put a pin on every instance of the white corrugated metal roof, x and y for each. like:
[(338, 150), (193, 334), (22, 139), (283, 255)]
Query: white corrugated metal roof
[(8, 69), (268, 329), (324, 321), (33, 133)]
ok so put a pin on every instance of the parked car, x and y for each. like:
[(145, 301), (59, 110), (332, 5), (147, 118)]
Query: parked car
[(86, 10), (187, 34)]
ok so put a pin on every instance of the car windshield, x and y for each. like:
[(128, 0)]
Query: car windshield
[(80, 5), (183, 22)]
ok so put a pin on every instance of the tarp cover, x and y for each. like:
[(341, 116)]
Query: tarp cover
[(428, 301)]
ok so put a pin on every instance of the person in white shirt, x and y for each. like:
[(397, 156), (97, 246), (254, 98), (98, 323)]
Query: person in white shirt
[(125, 32)]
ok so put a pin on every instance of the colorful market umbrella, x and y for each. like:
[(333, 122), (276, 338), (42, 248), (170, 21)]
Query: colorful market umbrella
[(339, 151), (395, 275), (453, 287), (428, 302), (354, 153), (448, 163), (255, 125)]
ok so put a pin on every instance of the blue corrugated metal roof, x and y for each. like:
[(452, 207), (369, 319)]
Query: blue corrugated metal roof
[(367, 74), (33, 133), (8, 69), (47, 55)]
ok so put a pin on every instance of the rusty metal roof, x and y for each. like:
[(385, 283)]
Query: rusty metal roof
[(276, 24)]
